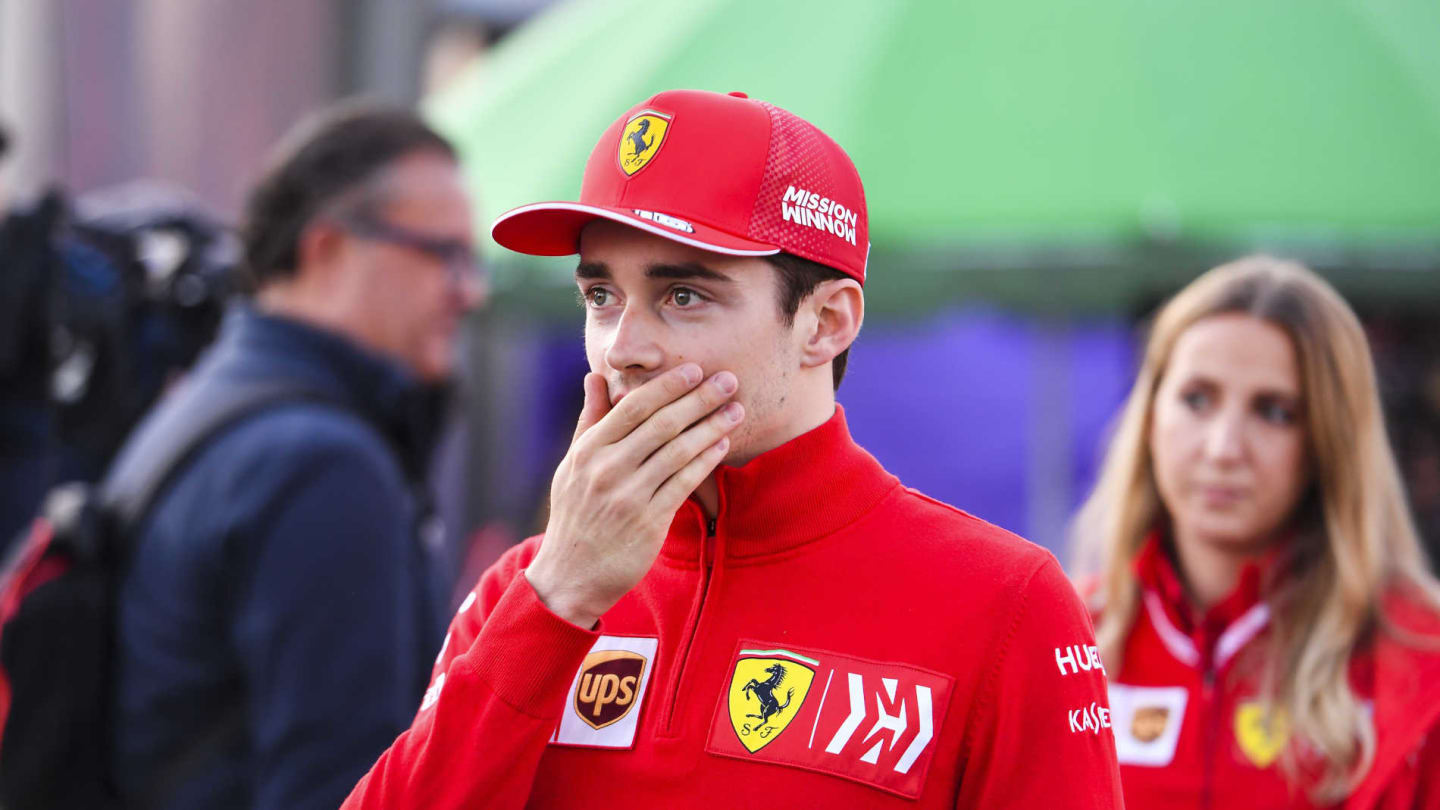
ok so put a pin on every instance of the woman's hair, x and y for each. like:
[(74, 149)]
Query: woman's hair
[(1354, 538)]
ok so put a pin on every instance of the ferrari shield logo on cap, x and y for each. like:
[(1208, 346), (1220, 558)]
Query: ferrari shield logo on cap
[(608, 686), (641, 140), (766, 693), (1261, 731)]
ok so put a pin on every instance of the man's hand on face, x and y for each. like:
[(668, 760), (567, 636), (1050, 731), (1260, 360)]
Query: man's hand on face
[(617, 490)]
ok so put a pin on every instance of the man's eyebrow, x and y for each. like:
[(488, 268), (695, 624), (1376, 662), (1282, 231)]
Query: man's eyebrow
[(686, 270), (592, 270)]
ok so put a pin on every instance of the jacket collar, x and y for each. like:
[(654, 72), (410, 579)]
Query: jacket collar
[(381, 391), (1207, 640), (803, 490)]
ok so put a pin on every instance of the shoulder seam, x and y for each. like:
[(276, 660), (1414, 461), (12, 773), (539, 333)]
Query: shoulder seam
[(1024, 547), (292, 406), (957, 511), (324, 438), (937, 502), (992, 676)]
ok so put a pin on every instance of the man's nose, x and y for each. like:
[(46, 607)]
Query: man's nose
[(474, 290), (634, 344), (470, 283)]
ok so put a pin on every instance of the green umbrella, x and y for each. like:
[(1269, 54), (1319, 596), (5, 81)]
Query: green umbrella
[(1062, 155)]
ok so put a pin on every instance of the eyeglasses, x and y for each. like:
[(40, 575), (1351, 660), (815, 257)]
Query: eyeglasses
[(461, 263)]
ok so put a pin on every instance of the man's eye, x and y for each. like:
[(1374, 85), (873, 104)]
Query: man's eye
[(684, 297), (597, 297)]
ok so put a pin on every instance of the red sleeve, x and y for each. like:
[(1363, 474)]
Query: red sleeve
[(490, 711), (465, 627), (1043, 704), (1417, 785), (1427, 770)]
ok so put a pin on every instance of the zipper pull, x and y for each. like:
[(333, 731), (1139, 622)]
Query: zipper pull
[(707, 545)]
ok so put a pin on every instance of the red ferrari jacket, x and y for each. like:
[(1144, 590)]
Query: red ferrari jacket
[(1191, 733), (831, 639)]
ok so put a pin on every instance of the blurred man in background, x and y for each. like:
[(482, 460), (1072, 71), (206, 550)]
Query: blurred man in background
[(283, 600)]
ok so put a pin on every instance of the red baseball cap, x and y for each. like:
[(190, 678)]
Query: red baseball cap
[(724, 173)]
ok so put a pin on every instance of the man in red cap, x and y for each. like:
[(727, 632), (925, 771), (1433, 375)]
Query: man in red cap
[(733, 602)]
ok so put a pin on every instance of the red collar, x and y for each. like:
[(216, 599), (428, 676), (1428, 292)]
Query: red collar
[(805, 489), (1212, 638)]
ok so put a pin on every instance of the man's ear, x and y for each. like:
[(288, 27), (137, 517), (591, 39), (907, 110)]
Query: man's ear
[(318, 247), (835, 311)]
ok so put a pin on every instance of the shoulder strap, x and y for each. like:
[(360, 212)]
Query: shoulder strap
[(175, 432), (159, 449)]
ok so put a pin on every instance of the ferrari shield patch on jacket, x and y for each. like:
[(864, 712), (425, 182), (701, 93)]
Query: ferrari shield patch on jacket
[(869, 721), (766, 693), (603, 709), (1261, 731)]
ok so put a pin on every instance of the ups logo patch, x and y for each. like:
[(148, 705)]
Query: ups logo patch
[(1149, 723), (607, 694), (608, 686)]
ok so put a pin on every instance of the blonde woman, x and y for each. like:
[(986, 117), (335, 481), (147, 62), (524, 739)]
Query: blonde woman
[(1263, 608)]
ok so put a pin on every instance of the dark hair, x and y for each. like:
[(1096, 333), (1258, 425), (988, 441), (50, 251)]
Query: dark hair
[(798, 278), (330, 153)]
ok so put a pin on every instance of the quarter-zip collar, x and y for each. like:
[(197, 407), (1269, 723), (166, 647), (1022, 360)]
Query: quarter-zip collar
[(1210, 640), (801, 491)]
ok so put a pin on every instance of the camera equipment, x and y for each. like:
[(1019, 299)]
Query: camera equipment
[(102, 304)]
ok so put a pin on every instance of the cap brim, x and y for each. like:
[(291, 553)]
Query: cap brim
[(553, 229)]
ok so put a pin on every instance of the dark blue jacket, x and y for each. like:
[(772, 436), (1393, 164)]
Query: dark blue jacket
[(280, 613)]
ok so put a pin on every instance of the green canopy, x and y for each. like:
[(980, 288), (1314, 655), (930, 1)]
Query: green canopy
[(1061, 155)]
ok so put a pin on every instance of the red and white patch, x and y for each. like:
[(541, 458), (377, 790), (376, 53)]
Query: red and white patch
[(602, 709), (872, 722), (1147, 721)]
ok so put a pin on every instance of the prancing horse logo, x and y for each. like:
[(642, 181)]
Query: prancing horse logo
[(765, 691), (766, 694), (641, 140), (638, 144)]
